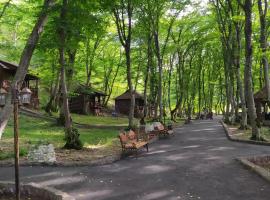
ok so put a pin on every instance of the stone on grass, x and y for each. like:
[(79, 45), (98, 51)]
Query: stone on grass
[(42, 154)]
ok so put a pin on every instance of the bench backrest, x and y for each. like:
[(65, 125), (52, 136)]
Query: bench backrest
[(131, 135), (127, 137), (123, 138)]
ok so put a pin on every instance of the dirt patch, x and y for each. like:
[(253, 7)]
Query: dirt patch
[(263, 161), (239, 134), (86, 156)]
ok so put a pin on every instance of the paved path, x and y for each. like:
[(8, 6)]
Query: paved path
[(198, 163)]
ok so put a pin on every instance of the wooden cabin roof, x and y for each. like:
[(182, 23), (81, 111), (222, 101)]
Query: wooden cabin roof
[(261, 94), (126, 96), (12, 68), (82, 89)]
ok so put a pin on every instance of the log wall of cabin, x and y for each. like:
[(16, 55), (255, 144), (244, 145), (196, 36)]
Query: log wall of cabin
[(122, 106), (4, 75), (84, 104), (76, 104)]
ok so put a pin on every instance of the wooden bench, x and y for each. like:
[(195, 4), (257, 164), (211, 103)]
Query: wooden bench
[(161, 130), (130, 142)]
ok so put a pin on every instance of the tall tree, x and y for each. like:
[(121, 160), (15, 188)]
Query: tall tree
[(123, 12), (247, 7), (263, 8), (237, 57), (25, 60), (71, 134)]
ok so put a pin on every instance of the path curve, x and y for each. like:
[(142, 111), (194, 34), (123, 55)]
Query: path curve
[(197, 163)]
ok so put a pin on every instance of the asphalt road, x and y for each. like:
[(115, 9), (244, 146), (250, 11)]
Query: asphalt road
[(197, 163)]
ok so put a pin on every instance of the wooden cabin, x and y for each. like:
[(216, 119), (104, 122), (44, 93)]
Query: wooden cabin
[(86, 100), (122, 104), (260, 99), (30, 84)]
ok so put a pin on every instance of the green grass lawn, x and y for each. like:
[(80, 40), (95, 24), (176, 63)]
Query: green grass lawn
[(35, 131), (98, 120)]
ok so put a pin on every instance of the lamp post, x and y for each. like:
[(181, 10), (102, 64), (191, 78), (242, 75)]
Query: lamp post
[(15, 101), (25, 97)]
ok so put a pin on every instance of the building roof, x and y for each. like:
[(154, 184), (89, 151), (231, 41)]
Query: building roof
[(82, 89), (126, 96), (12, 68)]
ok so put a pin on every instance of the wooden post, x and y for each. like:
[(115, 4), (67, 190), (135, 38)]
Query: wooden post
[(15, 99)]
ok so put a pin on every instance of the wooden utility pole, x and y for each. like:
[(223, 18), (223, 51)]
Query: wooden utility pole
[(15, 100)]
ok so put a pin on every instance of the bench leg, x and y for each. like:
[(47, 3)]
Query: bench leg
[(146, 147), (124, 152)]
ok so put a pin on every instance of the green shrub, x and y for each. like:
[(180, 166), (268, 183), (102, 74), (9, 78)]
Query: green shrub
[(72, 138)]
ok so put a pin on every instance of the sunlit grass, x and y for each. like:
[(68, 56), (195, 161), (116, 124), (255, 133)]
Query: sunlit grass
[(34, 131), (98, 120)]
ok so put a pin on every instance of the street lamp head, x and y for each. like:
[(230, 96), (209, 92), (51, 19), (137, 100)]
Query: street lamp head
[(25, 96)]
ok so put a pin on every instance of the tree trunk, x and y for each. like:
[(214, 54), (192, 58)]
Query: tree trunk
[(124, 33), (62, 62), (199, 88), (227, 87), (71, 134), (180, 84), (263, 42), (160, 76), (169, 81), (87, 63), (130, 86), (70, 67), (110, 87), (65, 106), (90, 57), (138, 71), (25, 61), (243, 122), (51, 106), (248, 71), (149, 64)]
